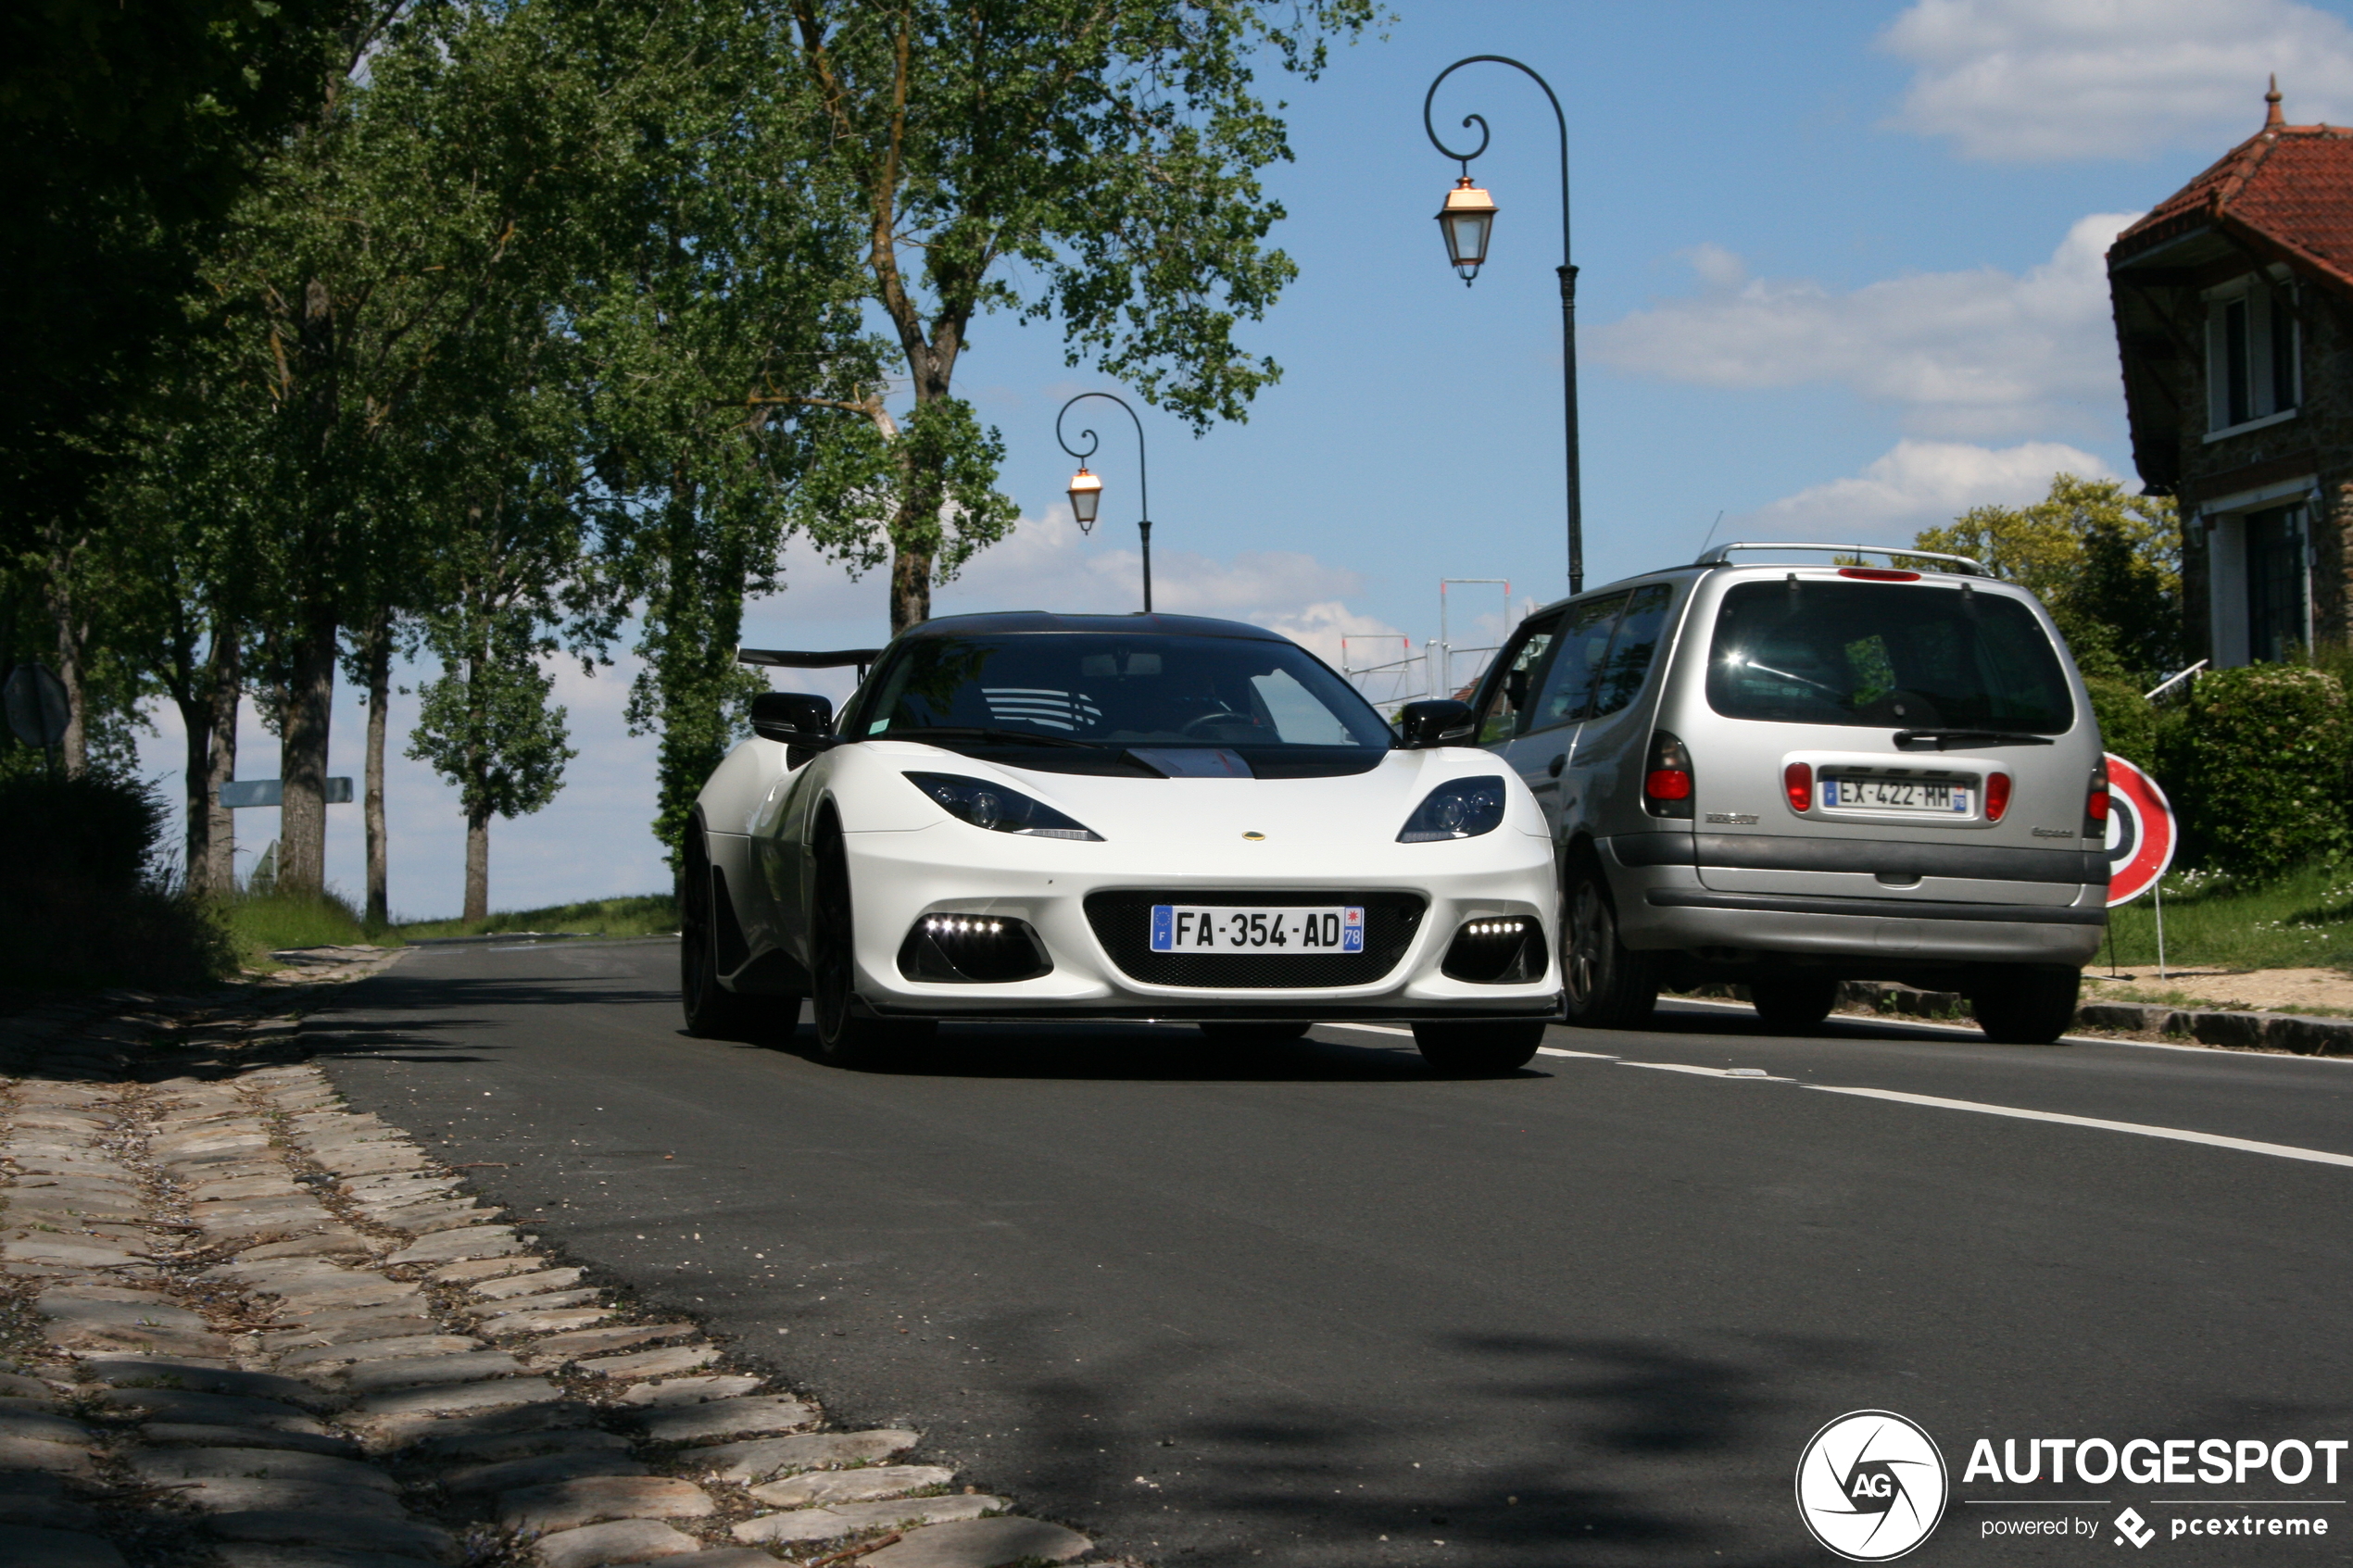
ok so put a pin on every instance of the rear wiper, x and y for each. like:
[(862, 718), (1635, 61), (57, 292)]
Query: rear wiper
[(1944, 740), (968, 731)]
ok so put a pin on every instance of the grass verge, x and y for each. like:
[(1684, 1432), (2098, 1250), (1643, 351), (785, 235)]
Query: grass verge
[(261, 923), (2303, 921), (649, 914)]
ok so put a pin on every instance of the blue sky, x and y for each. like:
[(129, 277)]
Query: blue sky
[(1840, 278)]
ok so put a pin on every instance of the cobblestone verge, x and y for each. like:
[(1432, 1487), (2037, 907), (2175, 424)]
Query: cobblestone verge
[(249, 1328)]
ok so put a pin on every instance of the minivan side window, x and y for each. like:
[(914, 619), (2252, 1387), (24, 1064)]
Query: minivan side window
[(1507, 704), (1568, 684), (1628, 662)]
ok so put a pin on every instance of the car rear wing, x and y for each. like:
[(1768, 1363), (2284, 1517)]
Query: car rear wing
[(862, 659), (1721, 554)]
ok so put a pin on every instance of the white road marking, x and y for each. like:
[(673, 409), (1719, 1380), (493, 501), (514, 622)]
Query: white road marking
[(2180, 1134), (1555, 1051), (1747, 1074), (1368, 1028)]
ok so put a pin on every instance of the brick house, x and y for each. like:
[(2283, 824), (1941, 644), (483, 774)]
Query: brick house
[(2234, 301)]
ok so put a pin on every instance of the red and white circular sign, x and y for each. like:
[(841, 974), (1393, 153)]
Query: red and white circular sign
[(2140, 832)]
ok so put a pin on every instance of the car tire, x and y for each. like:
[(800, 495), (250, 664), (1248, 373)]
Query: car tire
[(1249, 1035), (713, 1013), (2025, 1004), (1603, 984), (1478, 1051), (1792, 1004), (844, 1036)]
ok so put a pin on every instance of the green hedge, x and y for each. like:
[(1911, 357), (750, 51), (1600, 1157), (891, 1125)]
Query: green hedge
[(82, 900), (2257, 766), (2128, 724)]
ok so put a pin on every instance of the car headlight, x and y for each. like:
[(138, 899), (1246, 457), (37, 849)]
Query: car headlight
[(999, 809), (1458, 809)]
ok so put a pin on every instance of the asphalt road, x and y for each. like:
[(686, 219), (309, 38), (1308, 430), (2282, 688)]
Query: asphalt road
[(1322, 1308)]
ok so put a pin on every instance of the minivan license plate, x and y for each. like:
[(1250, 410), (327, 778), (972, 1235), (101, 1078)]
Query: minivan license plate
[(1897, 794), (1194, 928)]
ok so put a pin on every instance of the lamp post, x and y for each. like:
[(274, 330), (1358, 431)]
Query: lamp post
[(1087, 489), (1465, 221)]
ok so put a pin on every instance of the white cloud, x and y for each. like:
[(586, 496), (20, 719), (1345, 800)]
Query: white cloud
[(1979, 354), (1918, 485), (2039, 81)]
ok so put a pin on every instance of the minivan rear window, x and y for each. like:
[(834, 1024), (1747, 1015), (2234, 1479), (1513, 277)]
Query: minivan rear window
[(1887, 655)]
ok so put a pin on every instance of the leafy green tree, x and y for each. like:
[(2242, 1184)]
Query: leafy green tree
[(443, 178), (1090, 161), (716, 342), (127, 133), (2108, 565), (486, 727)]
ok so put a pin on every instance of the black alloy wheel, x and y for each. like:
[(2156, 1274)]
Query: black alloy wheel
[(2024, 1004), (1479, 1049), (844, 1037), (1792, 1004), (1603, 985)]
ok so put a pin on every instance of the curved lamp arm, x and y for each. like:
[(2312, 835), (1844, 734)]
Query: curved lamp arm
[(1143, 472)]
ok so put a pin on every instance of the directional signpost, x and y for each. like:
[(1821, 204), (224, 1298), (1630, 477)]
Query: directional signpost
[(2141, 837), (273, 792)]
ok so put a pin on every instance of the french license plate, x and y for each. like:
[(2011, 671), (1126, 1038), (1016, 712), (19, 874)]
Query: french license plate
[(1930, 798), (1225, 928)]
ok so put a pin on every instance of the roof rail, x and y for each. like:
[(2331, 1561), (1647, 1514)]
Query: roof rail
[(1718, 557)]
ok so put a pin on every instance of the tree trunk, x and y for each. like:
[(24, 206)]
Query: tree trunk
[(379, 703), (910, 587), (73, 634), (477, 865), (302, 825), (228, 687), (196, 772)]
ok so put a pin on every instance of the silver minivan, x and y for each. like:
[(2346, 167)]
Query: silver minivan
[(1785, 771)]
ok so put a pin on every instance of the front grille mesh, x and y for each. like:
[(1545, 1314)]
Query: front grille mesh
[(1123, 924)]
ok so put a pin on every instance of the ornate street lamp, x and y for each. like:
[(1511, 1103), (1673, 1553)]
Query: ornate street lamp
[(1085, 494), (1467, 220), (1087, 489)]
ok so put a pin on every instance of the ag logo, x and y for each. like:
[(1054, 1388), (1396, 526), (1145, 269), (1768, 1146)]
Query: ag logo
[(1872, 1485)]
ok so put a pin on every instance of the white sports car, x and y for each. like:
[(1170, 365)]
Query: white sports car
[(1034, 816)]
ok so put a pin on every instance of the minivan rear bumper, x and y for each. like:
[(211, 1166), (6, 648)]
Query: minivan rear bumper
[(1663, 908)]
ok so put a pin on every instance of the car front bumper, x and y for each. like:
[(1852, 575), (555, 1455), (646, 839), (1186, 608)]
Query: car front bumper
[(898, 878)]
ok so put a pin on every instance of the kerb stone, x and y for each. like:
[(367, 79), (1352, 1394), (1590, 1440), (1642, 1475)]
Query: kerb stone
[(981, 1543)]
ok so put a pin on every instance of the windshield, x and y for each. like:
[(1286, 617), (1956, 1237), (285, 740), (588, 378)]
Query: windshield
[(1885, 654), (1120, 691)]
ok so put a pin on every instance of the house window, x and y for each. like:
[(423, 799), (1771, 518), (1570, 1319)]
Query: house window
[(2275, 584), (2250, 354)]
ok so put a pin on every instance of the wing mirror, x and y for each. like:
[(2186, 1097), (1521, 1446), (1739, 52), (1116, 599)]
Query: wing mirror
[(794, 718), (1440, 722)]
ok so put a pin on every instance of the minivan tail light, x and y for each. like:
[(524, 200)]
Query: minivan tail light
[(1879, 574), (1666, 778), (1997, 795), (1797, 780), (2095, 806)]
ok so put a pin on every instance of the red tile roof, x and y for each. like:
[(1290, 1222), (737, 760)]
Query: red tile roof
[(2287, 191)]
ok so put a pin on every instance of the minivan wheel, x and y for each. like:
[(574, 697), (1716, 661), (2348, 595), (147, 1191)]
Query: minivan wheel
[(713, 1013), (1478, 1051), (2024, 1004), (1792, 1004), (844, 1037), (1603, 985)]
